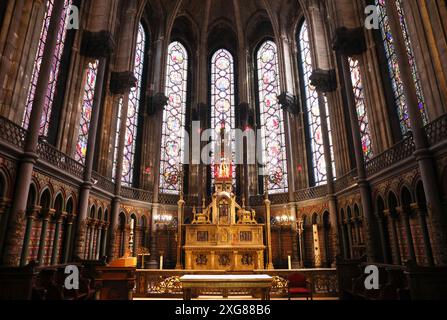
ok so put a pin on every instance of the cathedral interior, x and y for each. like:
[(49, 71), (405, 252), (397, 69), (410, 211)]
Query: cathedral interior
[(324, 123)]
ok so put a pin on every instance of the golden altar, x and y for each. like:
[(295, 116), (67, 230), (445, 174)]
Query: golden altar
[(224, 236)]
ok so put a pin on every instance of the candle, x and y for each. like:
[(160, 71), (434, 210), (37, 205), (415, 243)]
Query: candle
[(290, 262), (161, 262)]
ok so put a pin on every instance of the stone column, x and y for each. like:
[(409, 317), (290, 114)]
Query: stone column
[(351, 42), (351, 243), (31, 216), (385, 252), (121, 84), (391, 215), (295, 242), (95, 45), (14, 236), (422, 215), (46, 216), (301, 240), (424, 157), (180, 214), (104, 240), (59, 219), (268, 232), (153, 262), (98, 240), (326, 82), (71, 218), (344, 243), (405, 220)]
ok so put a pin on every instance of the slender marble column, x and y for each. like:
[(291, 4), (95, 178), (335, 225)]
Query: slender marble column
[(98, 241), (424, 157), (385, 252), (394, 239), (71, 218), (31, 217), (89, 158), (405, 220), (14, 237), (422, 214), (267, 204), (180, 213), (46, 216), (104, 240), (363, 184), (153, 263), (59, 219)]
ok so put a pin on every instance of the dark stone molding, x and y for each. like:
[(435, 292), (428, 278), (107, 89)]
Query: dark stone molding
[(97, 44), (289, 103), (349, 42), (122, 82), (324, 80), (156, 103)]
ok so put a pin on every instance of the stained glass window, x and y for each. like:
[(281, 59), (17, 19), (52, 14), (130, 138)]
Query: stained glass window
[(362, 114), (222, 105), (172, 152), (54, 75), (393, 65), (86, 111), (133, 113), (313, 111), (272, 119)]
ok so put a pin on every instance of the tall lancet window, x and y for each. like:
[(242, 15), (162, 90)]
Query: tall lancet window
[(312, 108), (362, 113), (56, 63), (86, 111), (271, 119), (173, 134), (222, 106), (133, 113), (393, 66)]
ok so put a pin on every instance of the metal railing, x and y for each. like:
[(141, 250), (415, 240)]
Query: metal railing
[(12, 133), (104, 183), (136, 194)]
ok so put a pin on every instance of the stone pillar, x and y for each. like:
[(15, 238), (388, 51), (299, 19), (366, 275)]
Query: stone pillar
[(71, 218), (326, 82), (424, 157), (391, 215), (95, 45), (351, 243), (295, 242), (385, 252), (344, 239), (14, 236), (59, 219), (351, 42), (31, 216), (268, 232), (422, 215), (180, 214), (46, 216), (153, 262), (104, 234), (98, 240), (405, 220)]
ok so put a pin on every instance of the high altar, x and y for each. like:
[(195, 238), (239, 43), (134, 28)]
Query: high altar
[(224, 236)]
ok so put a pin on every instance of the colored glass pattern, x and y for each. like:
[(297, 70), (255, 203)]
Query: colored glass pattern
[(86, 111), (173, 137), (313, 111), (222, 107), (54, 75), (359, 94), (393, 65), (272, 119)]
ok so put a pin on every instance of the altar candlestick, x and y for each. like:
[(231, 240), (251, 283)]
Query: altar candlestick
[(290, 262)]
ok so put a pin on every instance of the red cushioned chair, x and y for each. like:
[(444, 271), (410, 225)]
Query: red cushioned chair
[(299, 287)]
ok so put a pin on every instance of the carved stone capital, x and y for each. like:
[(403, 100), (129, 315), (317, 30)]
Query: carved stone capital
[(122, 82), (324, 80), (97, 44), (349, 42), (289, 103), (157, 103)]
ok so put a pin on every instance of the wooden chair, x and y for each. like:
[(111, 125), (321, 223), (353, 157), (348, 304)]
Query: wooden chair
[(299, 287)]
